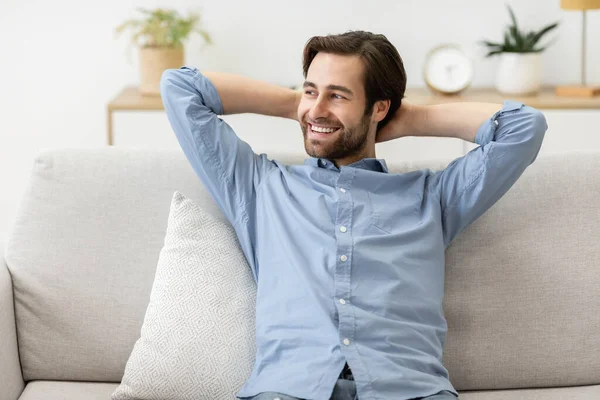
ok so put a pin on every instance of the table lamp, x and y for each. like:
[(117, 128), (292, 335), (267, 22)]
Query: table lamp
[(582, 90)]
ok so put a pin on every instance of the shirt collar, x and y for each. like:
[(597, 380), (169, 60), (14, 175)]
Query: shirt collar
[(371, 164)]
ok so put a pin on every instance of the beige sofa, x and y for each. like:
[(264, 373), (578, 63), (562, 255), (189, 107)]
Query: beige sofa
[(522, 284)]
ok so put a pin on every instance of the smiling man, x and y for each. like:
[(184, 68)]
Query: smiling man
[(348, 258)]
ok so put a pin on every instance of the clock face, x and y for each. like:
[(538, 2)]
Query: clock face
[(447, 69)]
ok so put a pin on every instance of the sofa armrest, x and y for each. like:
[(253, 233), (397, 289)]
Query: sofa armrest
[(11, 378)]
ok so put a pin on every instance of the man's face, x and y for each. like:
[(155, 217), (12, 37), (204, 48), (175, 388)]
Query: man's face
[(332, 110)]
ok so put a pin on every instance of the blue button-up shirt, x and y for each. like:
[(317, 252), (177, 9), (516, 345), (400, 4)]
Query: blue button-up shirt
[(349, 261)]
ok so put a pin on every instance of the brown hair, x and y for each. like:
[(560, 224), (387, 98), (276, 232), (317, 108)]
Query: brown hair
[(385, 77)]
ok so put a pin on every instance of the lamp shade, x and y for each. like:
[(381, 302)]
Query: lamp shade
[(580, 4)]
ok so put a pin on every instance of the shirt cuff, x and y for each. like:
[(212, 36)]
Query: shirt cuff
[(486, 131)]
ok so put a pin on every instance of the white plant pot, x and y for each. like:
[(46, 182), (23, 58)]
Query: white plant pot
[(519, 73)]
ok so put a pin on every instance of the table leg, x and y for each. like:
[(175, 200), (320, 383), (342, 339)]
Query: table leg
[(109, 127)]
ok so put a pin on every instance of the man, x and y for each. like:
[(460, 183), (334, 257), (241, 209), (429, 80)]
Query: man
[(348, 258)]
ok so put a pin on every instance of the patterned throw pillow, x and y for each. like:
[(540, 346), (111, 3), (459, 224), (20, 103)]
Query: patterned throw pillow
[(198, 337)]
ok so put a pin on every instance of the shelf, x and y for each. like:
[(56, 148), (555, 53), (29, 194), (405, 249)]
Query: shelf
[(546, 99)]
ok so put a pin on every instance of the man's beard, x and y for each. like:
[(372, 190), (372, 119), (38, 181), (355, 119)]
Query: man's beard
[(349, 142)]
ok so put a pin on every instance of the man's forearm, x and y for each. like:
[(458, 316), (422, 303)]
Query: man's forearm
[(459, 120), (240, 94)]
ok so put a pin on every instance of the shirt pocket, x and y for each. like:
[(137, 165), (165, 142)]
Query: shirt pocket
[(394, 213)]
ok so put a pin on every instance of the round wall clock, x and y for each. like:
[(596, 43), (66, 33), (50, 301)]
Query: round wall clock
[(447, 69)]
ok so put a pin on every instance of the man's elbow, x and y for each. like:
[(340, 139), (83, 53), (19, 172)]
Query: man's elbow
[(538, 129), (540, 126), (166, 80)]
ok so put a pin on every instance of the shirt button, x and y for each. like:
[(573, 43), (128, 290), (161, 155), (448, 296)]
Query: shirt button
[(343, 228), (342, 301), (343, 258), (342, 190), (346, 342)]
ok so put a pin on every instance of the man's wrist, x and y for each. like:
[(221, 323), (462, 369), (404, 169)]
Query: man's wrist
[(293, 103), (403, 123), (412, 117)]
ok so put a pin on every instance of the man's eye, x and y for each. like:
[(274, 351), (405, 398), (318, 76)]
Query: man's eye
[(309, 92), (337, 96)]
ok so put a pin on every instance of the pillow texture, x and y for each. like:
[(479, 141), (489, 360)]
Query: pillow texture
[(198, 336)]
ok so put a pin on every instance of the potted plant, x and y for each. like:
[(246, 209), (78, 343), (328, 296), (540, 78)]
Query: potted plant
[(159, 36), (519, 72)]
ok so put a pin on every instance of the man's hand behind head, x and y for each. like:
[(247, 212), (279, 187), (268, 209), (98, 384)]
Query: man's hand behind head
[(401, 123)]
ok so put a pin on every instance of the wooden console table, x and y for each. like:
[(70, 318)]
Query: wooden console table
[(546, 99), (130, 99)]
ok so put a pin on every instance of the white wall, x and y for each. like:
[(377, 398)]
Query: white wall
[(60, 62)]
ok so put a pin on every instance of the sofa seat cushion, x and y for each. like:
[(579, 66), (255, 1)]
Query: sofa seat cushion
[(563, 393), (62, 390), (58, 390)]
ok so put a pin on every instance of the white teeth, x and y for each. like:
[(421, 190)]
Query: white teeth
[(323, 130)]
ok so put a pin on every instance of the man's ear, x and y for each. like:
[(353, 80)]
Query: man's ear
[(380, 110)]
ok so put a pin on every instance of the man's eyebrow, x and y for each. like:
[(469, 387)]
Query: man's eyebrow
[(331, 87)]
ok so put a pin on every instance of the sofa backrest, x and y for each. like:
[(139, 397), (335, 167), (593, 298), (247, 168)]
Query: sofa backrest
[(522, 299)]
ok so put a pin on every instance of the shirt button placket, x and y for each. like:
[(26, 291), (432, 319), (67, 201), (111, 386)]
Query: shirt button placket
[(344, 249)]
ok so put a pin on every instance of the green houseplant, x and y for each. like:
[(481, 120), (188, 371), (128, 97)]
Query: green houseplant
[(159, 35), (519, 71)]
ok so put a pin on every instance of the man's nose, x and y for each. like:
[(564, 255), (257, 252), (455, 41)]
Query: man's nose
[(319, 110)]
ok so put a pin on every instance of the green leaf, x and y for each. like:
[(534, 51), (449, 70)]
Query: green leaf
[(162, 27), (516, 35), (528, 40), (513, 18), (515, 40), (206, 36), (547, 45), (541, 33), (520, 42), (491, 53), (507, 43), (491, 44)]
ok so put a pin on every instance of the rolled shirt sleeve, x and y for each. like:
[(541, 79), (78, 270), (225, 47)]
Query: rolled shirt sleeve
[(225, 164), (509, 142)]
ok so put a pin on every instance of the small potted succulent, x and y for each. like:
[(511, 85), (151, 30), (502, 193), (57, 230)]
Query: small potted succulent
[(159, 34), (519, 72)]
